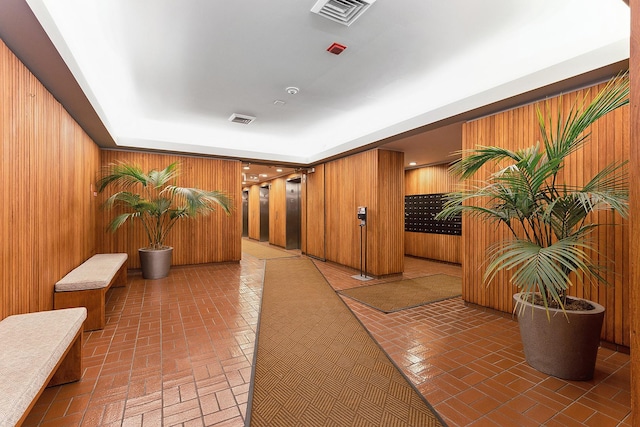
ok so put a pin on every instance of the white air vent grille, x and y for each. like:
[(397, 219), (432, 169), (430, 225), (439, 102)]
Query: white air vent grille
[(342, 11), (241, 118)]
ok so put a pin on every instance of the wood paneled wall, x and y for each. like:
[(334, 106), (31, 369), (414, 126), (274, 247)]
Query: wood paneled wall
[(254, 212), (278, 212), (388, 242), (374, 179), (430, 180), (212, 238), (609, 142), (47, 167), (313, 218), (634, 255)]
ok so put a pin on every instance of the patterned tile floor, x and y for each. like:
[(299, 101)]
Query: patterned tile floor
[(178, 351)]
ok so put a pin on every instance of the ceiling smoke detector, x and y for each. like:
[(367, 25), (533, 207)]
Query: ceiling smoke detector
[(241, 118), (344, 12)]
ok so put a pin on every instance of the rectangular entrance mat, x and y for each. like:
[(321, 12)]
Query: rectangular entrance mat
[(402, 294), (263, 251), (316, 365)]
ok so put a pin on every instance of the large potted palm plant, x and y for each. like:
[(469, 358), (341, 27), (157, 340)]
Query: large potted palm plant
[(158, 206), (550, 224)]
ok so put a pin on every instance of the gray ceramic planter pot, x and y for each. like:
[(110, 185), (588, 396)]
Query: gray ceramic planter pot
[(155, 263), (564, 349)]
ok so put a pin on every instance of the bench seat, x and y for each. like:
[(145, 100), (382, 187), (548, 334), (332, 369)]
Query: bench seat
[(87, 284), (38, 350)]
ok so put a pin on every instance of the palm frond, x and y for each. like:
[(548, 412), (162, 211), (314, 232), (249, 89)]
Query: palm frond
[(158, 179), (161, 204), (548, 220), (541, 269), (121, 219), (473, 160), (122, 174), (569, 134), (199, 201)]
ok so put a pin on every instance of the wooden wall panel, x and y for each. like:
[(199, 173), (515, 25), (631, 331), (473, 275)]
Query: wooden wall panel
[(47, 165), (634, 249), (212, 238), (516, 129), (254, 212), (278, 212), (373, 180), (388, 242), (313, 213), (347, 186), (430, 180)]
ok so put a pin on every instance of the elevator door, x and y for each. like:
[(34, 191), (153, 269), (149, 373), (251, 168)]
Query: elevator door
[(293, 214), (264, 214), (245, 213)]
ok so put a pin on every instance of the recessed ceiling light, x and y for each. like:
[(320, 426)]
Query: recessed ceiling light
[(264, 175), (278, 170), (412, 164), (292, 90)]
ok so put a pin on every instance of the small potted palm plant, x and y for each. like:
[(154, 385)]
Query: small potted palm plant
[(158, 206), (550, 223)]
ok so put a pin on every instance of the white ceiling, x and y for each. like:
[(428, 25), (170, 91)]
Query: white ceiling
[(166, 74)]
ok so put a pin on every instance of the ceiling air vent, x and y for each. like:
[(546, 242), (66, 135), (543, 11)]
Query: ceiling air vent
[(241, 118), (341, 11)]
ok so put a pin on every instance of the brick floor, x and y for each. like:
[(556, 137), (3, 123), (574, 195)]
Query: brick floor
[(178, 351)]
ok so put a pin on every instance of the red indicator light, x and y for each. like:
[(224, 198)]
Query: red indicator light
[(336, 48)]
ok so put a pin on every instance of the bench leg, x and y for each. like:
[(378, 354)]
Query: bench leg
[(93, 299), (121, 278), (70, 368)]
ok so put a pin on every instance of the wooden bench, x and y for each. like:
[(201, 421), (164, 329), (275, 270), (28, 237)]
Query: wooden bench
[(38, 350), (87, 284)]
